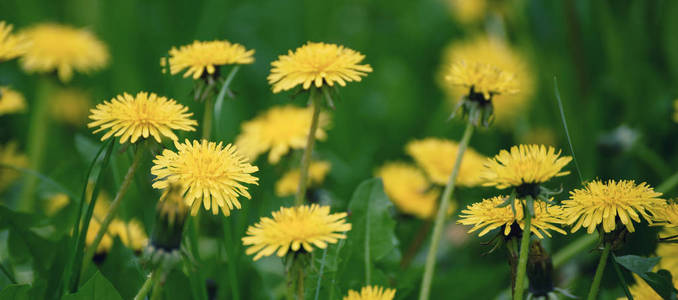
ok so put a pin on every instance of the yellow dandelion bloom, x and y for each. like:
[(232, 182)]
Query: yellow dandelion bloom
[(667, 215), (467, 11), (643, 291), (70, 106), (292, 228), (668, 253), (131, 117), (9, 155), (524, 164), (11, 101), (482, 53), (437, 156), (482, 78), (410, 191), (371, 293), (317, 64), (131, 233), (11, 45), (606, 202), (200, 56), (487, 216), (55, 203), (63, 49), (210, 174), (279, 129), (106, 241), (288, 183)]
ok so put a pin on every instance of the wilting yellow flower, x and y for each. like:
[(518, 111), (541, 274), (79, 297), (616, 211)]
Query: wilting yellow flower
[(467, 11), (71, 106), (11, 157), (667, 216), (292, 228), (288, 183), (210, 174), (131, 117), (371, 293), (524, 164), (55, 203), (487, 216), (481, 53), (63, 49), (437, 157), (131, 234), (200, 56), (11, 101), (11, 45), (318, 64), (605, 203), (410, 191), (279, 129)]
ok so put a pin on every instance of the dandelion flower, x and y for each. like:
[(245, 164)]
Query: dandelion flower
[(131, 117), (11, 101), (131, 234), (210, 174), (70, 106), (668, 215), (607, 202), (410, 191), (481, 78), (10, 156), (11, 45), (467, 11), (643, 291), (63, 49), (294, 228), (289, 182), (278, 130), (437, 158), (486, 215), (668, 252), (317, 64), (371, 293), (55, 203), (524, 164), (200, 56)]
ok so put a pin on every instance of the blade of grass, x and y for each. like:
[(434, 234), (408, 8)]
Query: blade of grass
[(567, 131)]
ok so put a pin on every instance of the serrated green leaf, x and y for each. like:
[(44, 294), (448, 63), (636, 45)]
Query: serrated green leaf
[(97, 287)]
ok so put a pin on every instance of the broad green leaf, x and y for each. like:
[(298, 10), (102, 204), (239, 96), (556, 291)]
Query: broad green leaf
[(97, 287), (122, 268), (16, 292), (637, 264), (662, 283)]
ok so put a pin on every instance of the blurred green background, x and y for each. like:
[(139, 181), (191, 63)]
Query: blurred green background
[(616, 63)]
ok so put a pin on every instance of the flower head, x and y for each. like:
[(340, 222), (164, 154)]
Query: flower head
[(292, 228), (131, 117), (437, 158), (486, 215), (317, 64), (210, 174), (131, 234), (11, 157), (11, 101), (63, 49), (524, 164), (410, 191), (643, 291), (482, 78), (668, 215), (607, 202), (70, 106), (200, 56), (279, 129), (467, 11), (371, 293), (668, 253), (288, 183), (11, 45)]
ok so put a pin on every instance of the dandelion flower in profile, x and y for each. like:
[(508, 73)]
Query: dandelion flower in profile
[(200, 56), (9, 155), (11, 101), (481, 79), (132, 117), (11, 45), (436, 157), (486, 215), (295, 228), (524, 164), (278, 130), (606, 203), (211, 174), (317, 64), (63, 49), (371, 293), (70, 106), (668, 215), (410, 191), (289, 182)]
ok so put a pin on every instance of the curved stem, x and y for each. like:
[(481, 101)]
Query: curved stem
[(524, 251), (306, 158), (441, 214), (593, 292), (145, 288), (114, 207)]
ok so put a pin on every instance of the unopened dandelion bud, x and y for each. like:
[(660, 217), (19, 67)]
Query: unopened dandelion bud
[(171, 213), (539, 270)]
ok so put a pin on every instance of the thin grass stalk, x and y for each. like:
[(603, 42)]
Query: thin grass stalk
[(315, 98), (524, 251)]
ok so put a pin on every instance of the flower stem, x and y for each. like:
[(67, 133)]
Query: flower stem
[(114, 207), (207, 117), (593, 292), (315, 98), (441, 214), (145, 288), (524, 251), (231, 252)]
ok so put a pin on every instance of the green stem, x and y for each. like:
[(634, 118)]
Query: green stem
[(114, 207), (300, 283), (145, 288), (230, 247), (593, 292), (207, 118), (572, 249), (524, 251), (310, 141), (441, 214), (157, 285)]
